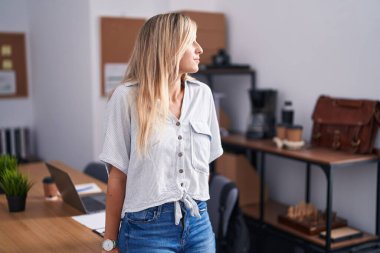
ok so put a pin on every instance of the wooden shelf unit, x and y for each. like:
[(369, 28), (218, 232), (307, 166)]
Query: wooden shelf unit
[(328, 160)]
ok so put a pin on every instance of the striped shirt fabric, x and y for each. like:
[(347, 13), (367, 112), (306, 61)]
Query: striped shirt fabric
[(176, 167)]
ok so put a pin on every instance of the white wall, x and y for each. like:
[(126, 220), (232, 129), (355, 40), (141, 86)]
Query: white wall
[(61, 60), (197, 5), (303, 49), (17, 111)]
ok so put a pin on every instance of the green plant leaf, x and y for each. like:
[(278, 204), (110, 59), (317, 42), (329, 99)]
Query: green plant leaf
[(14, 183), (7, 162)]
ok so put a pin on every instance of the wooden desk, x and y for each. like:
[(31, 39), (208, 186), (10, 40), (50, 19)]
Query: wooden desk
[(46, 226)]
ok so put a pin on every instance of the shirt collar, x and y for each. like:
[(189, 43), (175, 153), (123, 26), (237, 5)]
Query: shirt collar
[(193, 82), (130, 84)]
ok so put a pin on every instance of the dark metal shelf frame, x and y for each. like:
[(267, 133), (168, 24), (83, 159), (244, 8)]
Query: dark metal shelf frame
[(327, 169), (210, 73)]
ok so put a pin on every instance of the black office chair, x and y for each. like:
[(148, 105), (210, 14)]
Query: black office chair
[(217, 183), (229, 226), (97, 170)]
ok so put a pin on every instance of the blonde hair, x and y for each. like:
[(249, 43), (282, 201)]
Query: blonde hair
[(154, 65)]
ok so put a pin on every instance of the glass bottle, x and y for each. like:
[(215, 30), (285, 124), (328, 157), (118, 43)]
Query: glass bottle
[(287, 113)]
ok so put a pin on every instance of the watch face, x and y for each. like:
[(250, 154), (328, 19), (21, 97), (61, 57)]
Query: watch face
[(108, 245)]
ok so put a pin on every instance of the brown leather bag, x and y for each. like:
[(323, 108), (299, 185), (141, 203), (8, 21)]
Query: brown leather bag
[(345, 124)]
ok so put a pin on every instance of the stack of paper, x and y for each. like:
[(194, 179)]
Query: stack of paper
[(92, 221)]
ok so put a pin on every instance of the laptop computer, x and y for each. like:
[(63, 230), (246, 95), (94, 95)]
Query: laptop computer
[(90, 203)]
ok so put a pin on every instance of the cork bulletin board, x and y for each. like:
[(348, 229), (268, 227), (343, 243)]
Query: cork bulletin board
[(13, 72), (117, 38), (211, 34)]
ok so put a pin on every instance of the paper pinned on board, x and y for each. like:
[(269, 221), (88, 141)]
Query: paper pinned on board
[(6, 50), (7, 82), (113, 75)]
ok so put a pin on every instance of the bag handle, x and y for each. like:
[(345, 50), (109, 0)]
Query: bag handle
[(348, 103), (355, 142)]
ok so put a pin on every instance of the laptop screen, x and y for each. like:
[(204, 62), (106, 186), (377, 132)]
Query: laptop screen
[(66, 187)]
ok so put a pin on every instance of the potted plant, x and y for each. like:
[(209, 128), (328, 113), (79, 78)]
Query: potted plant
[(16, 187), (7, 162)]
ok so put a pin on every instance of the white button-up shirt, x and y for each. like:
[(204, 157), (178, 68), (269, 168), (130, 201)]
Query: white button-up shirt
[(176, 167)]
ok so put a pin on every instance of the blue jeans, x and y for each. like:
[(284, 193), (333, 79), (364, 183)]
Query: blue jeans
[(153, 230)]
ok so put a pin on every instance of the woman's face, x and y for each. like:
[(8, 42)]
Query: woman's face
[(190, 60)]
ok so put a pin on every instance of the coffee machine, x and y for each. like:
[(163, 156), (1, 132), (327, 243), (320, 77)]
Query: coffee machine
[(263, 114)]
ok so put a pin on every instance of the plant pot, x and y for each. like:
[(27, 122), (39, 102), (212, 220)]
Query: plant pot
[(16, 203)]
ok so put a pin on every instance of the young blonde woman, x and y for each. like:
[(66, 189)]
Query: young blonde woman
[(161, 134)]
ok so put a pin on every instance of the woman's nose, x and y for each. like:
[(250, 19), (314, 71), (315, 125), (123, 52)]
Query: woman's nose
[(199, 49)]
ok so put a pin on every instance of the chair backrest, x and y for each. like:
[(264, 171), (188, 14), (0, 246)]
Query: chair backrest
[(97, 170), (217, 183)]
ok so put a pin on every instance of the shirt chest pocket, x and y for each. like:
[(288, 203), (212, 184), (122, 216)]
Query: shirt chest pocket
[(200, 145)]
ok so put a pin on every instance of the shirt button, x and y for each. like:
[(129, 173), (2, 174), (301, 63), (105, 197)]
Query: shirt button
[(180, 154), (179, 137), (178, 124), (181, 184), (180, 171)]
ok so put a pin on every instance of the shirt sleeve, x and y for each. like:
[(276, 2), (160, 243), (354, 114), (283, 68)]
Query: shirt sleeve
[(117, 141), (216, 149)]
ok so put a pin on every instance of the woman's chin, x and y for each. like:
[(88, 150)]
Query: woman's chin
[(194, 70)]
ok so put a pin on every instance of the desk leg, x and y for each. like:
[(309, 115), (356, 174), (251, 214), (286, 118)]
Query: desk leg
[(308, 176), (253, 80), (252, 155), (378, 200), (327, 170), (262, 183)]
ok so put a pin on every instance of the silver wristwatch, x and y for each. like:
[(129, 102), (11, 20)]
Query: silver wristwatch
[(109, 244)]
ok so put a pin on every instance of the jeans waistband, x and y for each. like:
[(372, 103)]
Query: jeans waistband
[(169, 207)]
